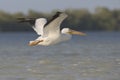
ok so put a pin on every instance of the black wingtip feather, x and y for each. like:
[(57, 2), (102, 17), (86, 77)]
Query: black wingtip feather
[(29, 20)]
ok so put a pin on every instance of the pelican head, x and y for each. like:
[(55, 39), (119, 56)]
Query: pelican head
[(72, 32)]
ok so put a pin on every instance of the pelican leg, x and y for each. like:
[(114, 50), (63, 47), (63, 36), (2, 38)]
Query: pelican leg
[(34, 43)]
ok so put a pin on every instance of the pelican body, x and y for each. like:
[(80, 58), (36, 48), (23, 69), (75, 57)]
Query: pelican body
[(50, 32)]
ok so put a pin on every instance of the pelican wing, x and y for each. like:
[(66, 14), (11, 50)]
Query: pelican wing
[(53, 27), (39, 25)]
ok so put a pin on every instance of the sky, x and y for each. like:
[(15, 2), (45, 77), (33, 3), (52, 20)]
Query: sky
[(50, 5)]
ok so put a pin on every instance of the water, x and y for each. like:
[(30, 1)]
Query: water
[(94, 57)]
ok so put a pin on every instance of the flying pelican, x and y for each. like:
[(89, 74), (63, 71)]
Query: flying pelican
[(50, 32)]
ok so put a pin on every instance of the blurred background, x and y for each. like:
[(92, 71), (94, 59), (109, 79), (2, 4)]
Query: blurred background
[(89, 15)]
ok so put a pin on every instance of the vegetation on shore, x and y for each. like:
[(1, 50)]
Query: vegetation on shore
[(102, 19)]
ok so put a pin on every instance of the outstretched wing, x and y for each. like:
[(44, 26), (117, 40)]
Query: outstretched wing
[(39, 25), (53, 27)]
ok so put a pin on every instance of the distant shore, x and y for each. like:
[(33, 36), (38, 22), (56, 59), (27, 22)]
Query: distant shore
[(102, 19)]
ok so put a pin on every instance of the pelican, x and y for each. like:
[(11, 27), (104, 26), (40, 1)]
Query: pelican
[(49, 32)]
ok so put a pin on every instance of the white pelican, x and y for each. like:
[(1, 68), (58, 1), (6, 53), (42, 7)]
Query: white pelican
[(50, 32)]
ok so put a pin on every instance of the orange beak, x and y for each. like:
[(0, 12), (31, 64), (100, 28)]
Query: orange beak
[(76, 32)]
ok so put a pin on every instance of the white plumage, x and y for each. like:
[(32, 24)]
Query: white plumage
[(39, 25), (50, 31)]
